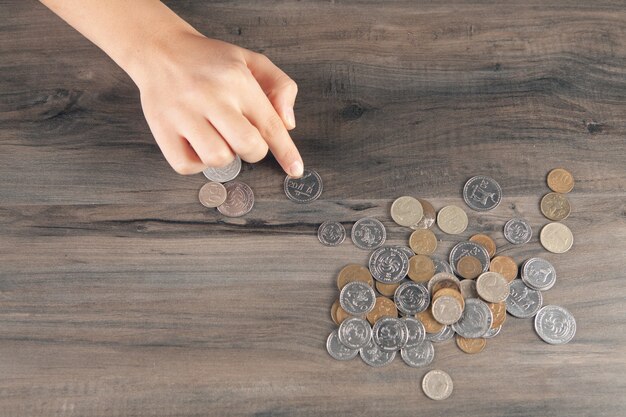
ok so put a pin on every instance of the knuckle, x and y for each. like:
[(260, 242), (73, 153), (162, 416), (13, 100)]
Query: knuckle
[(273, 126), (259, 153), (218, 158), (183, 167)]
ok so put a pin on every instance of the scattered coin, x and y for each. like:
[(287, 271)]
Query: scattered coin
[(498, 311), (357, 298), (374, 356), (523, 302), (226, 173), (331, 233), (468, 289), (421, 268), (337, 350), (447, 310), (486, 242), (387, 290), (417, 333), (560, 181), (505, 266), (437, 385), (428, 219), (446, 333), (304, 189), (212, 194), (423, 242), (470, 345), (469, 267), (452, 220), (517, 231), (406, 211), (390, 334), (354, 333), (368, 233), (388, 264), (538, 274), (482, 193), (383, 307), (556, 237), (354, 272), (555, 325), (239, 199), (469, 249), (492, 287), (430, 324), (555, 206), (476, 319), (421, 354), (411, 298)]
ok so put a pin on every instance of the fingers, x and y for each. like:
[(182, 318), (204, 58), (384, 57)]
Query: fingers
[(240, 134), (177, 151), (206, 141)]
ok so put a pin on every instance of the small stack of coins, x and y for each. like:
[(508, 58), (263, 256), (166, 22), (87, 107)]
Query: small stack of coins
[(231, 198), (557, 237)]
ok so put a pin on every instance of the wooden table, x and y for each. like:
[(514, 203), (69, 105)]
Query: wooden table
[(120, 295)]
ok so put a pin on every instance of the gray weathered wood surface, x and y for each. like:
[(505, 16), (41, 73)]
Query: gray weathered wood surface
[(120, 295)]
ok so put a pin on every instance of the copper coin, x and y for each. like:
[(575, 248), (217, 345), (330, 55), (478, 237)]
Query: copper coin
[(443, 280), (383, 307), (333, 311), (498, 311), (450, 292), (430, 324), (486, 242), (505, 266), (423, 242), (388, 290), (468, 345), (421, 268), (428, 218), (469, 267), (354, 272), (212, 194), (555, 206), (341, 314), (560, 180)]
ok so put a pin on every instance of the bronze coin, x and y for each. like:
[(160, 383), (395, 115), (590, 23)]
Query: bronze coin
[(449, 292), (505, 266), (443, 280), (423, 242), (333, 311), (555, 206), (486, 242), (341, 315), (421, 268), (212, 194), (383, 307), (354, 272), (560, 180), (498, 311), (469, 267), (387, 290), (468, 345), (430, 324)]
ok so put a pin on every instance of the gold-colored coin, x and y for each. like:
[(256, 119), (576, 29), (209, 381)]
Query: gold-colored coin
[(423, 242), (421, 268), (555, 206), (498, 311), (452, 220), (383, 307), (505, 266), (560, 181), (430, 324), (446, 310), (469, 267), (443, 280), (406, 211), (449, 292), (486, 242), (341, 315), (387, 290), (468, 345), (333, 311), (428, 218), (556, 237), (354, 272)]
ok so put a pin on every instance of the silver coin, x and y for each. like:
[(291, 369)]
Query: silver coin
[(390, 333), (538, 274), (441, 266), (224, 174), (374, 356), (411, 297), (482, 193), (337, 350), (417, 333), (446, 333), (476, 319), (418, 355), (239, 199), (437, 385), (331, 233), (517, 231), (212, 194), (354, 332), (407, 251), (368, 233), (357, 298), (492, 287), (492, 332), (468, 289), (388, 265), (555, 325), (442, 276), (523, 302), (304, 189), (462, 249)]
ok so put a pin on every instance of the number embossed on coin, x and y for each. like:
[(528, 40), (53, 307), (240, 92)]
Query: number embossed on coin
[(304, 189), (331, 233), (226, 173), (368, 233), (517, 231), (239, 199), (482, 193), (357, 298), (212, 194)]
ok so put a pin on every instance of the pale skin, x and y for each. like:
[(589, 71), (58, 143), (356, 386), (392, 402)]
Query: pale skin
[(204, 100)]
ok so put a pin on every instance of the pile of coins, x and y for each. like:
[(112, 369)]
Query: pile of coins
[(406, 300)]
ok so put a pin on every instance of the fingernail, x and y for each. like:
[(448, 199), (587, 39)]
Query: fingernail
[(291, 118), (296, 169)]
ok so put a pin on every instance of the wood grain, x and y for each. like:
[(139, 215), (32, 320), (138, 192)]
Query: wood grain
[(120, 295)]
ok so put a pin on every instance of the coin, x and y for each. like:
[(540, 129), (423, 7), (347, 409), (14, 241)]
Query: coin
[(560, 181), (556, 237), (468, 289), (443, 280), (417, 333), (437, 385), (390, 334), (406, 211), (476, 319), (430, 324), (212, 194), (555, 325), (492, 287), (452, 220), (368, 233), (304, 189), (421, 268), (505, 266), (333, 311), (239, 199), (418, 355), (428, 219), (453, 292), (423, 242), (517, 231), (482, 193), (226, 173), (387, 289), (538, 274), (331, 233), (354, 333), (469, 249), (337, 350), (441, 266), (411, 298), (446, 333), (486, 242), (469, 267), (374, 356), (357, 298), (492, 332), (383, 307), (555, 206), (341, 314), (498, 311), (388, 264), (447, 310), (407, 251), (523, 302), (354, 272), (470, 345)]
